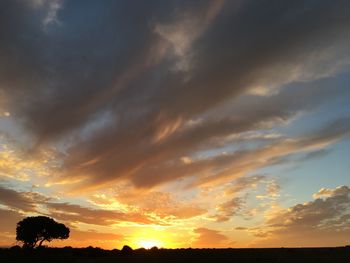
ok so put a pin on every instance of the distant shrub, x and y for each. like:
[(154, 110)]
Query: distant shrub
[(126, 250), (15, 248)]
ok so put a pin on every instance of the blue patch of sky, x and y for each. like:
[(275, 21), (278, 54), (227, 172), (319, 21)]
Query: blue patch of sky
[(336, 107), (300, 179)]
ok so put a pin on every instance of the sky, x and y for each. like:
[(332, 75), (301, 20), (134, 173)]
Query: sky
[(177, 123)]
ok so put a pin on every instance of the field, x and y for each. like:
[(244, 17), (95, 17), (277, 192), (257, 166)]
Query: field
[(87, 255)]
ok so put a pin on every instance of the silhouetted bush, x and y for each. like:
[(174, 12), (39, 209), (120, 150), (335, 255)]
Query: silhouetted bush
[(126, 250), (153, 248), (15, 248)]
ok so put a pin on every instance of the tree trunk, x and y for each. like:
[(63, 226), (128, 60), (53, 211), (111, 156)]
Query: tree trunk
[(41, 242)]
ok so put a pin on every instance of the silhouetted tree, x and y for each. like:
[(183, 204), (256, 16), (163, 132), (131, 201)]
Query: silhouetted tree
[(33, 231)]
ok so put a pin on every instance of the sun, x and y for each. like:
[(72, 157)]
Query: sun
[(149, 243)]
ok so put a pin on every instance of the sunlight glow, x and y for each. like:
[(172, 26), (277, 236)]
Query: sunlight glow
[(149, 243)]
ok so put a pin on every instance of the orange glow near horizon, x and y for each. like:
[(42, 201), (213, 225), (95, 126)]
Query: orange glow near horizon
[(151, 237)]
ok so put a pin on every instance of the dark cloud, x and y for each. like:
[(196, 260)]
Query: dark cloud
[(315, 155), (25, 201), (77, 67), (134, 90)]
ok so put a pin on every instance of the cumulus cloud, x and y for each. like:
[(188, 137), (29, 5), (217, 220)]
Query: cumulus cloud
[(227, 209), (326, 192), (238, 193), (313, 223)]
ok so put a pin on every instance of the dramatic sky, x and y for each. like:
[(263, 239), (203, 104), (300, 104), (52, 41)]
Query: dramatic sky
[(177, 123)]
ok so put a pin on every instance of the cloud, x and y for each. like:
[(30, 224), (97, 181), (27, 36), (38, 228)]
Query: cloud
[(326, 192), (36, 203), (187, 29), (23, 201), (112, 102), (321, 222), (75, 213), (169, 97), (227, 209), (315, 155), (237, 195), (164, 205), (19, 163), (244, 183), (147, 169), (241, 162), (208, 238), (167, 207)]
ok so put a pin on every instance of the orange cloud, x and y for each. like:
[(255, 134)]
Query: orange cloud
[(208, 238)]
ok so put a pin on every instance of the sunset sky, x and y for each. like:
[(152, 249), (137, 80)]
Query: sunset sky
[(177, 123)]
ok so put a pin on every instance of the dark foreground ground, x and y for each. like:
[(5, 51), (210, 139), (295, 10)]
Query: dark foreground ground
[(86, 255)]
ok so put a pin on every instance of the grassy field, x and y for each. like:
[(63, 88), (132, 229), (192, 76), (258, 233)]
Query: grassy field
[(86, 255)]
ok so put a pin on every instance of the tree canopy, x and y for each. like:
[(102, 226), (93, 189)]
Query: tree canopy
[(33, 231)]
